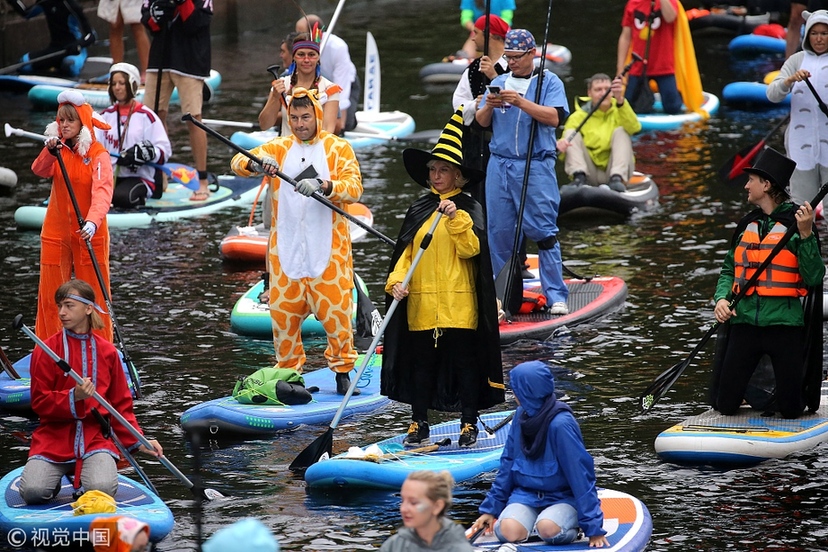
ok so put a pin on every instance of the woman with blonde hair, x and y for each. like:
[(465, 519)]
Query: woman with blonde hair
[(426, 496)]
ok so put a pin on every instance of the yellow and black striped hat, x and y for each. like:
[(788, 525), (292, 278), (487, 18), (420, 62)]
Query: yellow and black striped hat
[(449, 148)]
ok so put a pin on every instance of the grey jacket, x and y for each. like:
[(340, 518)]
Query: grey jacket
[(451, 538)]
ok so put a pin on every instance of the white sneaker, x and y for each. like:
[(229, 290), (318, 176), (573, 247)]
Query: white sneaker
[(559, 308)]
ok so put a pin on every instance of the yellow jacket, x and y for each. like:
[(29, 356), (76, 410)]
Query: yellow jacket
[(442, 292)]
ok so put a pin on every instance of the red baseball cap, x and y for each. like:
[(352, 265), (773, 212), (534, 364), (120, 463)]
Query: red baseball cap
[(497, 27)]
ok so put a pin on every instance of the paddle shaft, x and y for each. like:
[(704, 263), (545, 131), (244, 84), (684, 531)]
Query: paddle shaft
[(419, 450), (423, 246), (635, 58), (107, 431), (822, 106), (11, 131), (133, 375), (69, 50), (329, 29), (316, 195), (486, 28), (511, 265), (7, 365), (63, 365), (672, 374)]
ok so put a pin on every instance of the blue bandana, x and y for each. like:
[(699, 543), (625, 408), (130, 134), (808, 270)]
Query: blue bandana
[(519, 40)]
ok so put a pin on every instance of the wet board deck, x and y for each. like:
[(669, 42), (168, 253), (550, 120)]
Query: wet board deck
[(372, 129), (627, 522), (599, 202), (54, 522), (396, 463), (226, 417), (16, 395), (251, 317), (175, 204), (450, 70), (248, 244), (663, 121), (742, 439), (587, 301), (44, 96)]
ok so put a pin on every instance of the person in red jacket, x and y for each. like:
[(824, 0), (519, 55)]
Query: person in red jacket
[(69, 440), (62, 249)]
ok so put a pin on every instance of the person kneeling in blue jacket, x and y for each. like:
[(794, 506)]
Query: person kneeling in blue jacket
[(546, 480)]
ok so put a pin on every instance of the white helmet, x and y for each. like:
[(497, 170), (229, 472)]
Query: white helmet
[(130, 71)]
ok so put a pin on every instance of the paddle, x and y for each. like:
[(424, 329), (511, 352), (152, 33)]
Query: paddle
[(508, 285), (323, 445), (732, 172), (822, 106), (106, 428), (317, 196), (397, 454), (8, 367), (664, 381), (595, 106), (133, 373), (500, 424), (430, 135), (329, 29), (173, 171), (209, 494), (72, 49)]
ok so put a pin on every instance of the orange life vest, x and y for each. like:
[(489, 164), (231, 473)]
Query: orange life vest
[(781, 278), (532, 302)]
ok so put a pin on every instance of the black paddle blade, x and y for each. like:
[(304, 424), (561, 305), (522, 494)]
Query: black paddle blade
[(511, 277), (321, 448), (661, 384)]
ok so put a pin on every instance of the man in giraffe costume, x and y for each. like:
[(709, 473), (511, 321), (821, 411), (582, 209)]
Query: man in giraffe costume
[(309, 258)]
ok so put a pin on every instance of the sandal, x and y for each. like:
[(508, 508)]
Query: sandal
[(200, 195)]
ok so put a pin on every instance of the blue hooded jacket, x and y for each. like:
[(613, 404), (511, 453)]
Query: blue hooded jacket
[(565, 472)]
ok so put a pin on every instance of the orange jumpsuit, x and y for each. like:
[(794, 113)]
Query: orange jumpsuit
[(62, 251)]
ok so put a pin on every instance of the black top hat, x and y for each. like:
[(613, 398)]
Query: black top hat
[(773, 167), (449, 148)]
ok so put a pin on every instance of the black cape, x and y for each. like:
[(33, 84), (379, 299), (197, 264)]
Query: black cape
[(398, 353), (761, 389)]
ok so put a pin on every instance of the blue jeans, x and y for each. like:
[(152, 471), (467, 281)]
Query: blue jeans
[(671, 102), (562, 514)]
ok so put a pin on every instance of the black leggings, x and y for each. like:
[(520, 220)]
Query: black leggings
[(455, 347), (130, 192), (745, 346)]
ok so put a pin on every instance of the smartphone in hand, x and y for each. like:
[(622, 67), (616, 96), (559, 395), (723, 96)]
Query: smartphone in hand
[(493, 90)]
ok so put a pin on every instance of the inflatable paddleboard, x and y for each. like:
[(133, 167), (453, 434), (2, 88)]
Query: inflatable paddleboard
[(662, 121), (373, 129), (54, 523), (248, 244), (588, 300), (756, 44), (751, 94), (599, 202), (95, 68), (8, 178), (16, 395), (450, 70), (701, 20), (175, 204), (627, 522), (251, 317), (226, 417), (359, 469), (745, 438), (44, 96)]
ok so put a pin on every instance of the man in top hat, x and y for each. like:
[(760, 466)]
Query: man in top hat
[(442, 344), (771, 319), (511, 113), (309, 254)]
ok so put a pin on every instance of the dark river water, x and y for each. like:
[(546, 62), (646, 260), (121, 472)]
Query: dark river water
[(173, 297)]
